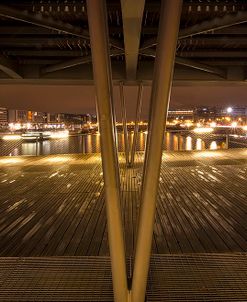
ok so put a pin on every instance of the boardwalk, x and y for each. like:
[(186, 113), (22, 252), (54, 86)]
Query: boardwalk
[(190, 278), (54, 205), (53, 235)]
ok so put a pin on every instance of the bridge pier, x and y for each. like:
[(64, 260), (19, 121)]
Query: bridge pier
[(160, 97), (137, 120), (124, 122), (97, 20)]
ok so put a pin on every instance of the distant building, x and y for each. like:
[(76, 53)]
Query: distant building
[(3, 117), (181, 114), (39, 117), (205, 113), (235, 112), (73, 119), (81, 119), (94, 118), (54, 118), (18, 116)]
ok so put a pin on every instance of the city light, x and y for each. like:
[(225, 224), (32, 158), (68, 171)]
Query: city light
[(11, 160), (213, 125), (14, 127), (188, 144), (57, 159), (209, 153), (234, 124), (229, 110), (188, 124), (199, 144), (60, 134), (213, 146), (11, 137), (203, 130)]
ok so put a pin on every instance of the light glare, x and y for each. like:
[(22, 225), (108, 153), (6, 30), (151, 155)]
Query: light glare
[(11, 137), (203, 130)]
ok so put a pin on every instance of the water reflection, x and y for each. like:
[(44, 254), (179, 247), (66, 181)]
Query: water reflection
[(91, 144), (142, 140), (29, 149), (175, 143), (213, 145), (188, 143), (199, 144), (97, 144), (168, 141)]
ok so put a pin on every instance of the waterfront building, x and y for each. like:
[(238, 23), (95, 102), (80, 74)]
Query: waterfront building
[(181, 114), (3, 117)]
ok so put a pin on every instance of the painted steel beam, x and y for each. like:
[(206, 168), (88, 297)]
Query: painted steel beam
[(26, 30), (40, 40), (10, 68), (42, 21), (200, 66), (214, 24), (136, 127), (160, 97), (132, 13), (124, 122), (97, 20), (31, 30), (204, 42), (44, 53), (75, 62), (147, 30), (48, 22), (191, 63), (209, 53), (148, 43), (66, 64)]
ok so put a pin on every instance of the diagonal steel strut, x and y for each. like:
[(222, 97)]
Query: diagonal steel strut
[(160, 97), (103, 85)]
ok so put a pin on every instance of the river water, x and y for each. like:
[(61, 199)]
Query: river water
[(91, 143)]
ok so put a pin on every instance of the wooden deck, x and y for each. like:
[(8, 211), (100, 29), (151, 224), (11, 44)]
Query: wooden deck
[(172, 278), (54, 205)]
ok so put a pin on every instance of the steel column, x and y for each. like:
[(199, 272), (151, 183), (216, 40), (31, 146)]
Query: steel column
[(162, 80), (124, 122), (137, 120), (97, 20), (97, 113)]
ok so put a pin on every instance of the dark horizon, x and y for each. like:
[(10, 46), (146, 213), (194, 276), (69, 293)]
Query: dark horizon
[(81, 99)]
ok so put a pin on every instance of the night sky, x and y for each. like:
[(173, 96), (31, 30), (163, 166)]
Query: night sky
[(80, 99)]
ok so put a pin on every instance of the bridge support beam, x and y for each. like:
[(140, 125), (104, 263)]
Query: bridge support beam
[(137, 120), (161, 87), (124, 122), (103, 84)]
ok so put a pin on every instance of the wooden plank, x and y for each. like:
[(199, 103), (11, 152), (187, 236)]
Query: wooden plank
[(59, 209)]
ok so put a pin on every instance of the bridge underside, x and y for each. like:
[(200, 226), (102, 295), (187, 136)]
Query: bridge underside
[(48, 42)]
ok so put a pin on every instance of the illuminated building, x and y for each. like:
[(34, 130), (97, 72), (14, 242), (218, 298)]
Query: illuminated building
[(3, 117)]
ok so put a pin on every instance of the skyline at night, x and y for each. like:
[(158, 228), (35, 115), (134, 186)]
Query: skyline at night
[(76, 99)]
